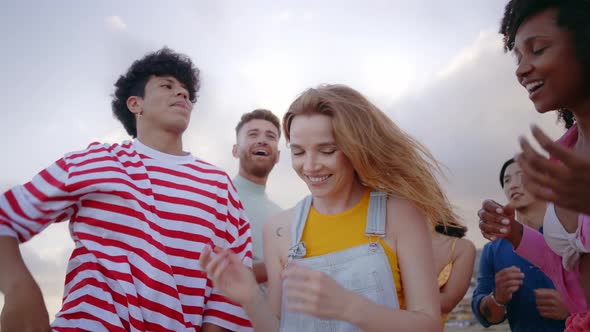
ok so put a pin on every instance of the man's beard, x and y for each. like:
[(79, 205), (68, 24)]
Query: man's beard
[(258, 170)]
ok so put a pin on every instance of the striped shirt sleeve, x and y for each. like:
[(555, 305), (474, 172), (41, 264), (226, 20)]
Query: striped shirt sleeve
[(27, 209), (219, 310)]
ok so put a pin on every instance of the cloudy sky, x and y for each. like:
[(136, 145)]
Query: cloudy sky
[(436, 67)]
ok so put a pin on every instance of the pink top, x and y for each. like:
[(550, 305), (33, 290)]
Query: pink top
[(534, 248), (569, 139)]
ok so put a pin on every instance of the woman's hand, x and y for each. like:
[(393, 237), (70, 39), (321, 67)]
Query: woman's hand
[(497, 221), (315, 293), (567, 184), (229, 275)]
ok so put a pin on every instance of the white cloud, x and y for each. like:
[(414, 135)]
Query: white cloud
[(470, 117), (488, 41), (281, 17), (116, 23)]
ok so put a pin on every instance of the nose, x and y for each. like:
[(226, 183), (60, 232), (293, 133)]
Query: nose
[(523, 69), (310, 163), (182, 92), (261, 140)]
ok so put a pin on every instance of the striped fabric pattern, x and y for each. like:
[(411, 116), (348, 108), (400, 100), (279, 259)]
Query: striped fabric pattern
[(139, 220)]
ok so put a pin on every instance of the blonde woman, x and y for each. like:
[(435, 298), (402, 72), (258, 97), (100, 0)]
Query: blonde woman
[(356, 254)]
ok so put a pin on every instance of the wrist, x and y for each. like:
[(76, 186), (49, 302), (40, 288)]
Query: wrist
[(354, 308), (496, 301), (516, 234), (254, 300)]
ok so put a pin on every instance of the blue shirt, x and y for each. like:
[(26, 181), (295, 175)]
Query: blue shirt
[(522, 310)]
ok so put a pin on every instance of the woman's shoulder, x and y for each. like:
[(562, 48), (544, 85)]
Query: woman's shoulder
[(402, 213), (279, 225), (464, 247)]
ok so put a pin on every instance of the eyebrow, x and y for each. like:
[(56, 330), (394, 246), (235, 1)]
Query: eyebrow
[(171, 81)]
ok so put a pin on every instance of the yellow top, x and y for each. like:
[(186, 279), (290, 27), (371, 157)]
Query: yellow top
[(445, 272), (324, 234), (444, 275)]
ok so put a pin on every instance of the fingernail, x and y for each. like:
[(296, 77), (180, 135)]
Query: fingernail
[(505, 221), (499, 210), (503, 230)]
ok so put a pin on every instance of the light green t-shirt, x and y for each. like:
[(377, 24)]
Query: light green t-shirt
[(258, 209)]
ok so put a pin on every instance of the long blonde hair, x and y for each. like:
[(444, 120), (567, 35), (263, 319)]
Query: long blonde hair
[(384, 157)]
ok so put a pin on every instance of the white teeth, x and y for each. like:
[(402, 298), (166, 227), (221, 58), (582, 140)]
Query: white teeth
[(317, 179), (533, 85), (263, 152)]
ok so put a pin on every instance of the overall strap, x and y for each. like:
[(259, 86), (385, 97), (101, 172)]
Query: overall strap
[(376, 217), (301, 211)]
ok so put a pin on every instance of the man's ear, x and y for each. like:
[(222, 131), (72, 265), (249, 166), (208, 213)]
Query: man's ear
[(135, 105), (278, 157), (234, 151)]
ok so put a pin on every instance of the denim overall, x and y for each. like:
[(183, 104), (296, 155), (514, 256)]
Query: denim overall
[(363, 269)]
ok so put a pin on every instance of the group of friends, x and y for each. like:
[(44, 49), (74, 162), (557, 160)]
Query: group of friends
[(165, 241)]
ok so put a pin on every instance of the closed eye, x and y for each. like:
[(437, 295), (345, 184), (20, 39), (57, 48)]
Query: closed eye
[(539, 51)]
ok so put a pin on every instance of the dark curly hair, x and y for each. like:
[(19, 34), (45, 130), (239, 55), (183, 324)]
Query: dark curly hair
[(259, 114), (573, 15), (451, 230), (164, 62)]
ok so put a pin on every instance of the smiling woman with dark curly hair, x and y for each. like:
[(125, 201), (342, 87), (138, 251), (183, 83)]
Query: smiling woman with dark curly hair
[(551, 42)]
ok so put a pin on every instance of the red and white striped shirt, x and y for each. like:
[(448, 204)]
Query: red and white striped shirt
[(139, 219)]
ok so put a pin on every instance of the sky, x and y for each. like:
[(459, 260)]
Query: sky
[(437, 68)]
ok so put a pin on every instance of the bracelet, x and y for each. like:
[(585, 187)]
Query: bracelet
[(493, 296)]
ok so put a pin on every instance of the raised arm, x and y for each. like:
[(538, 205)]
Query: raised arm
[(454, 290), (25, 211), (484, 308)]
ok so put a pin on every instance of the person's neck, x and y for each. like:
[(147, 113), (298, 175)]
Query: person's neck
[(582, 115), (532, 215), (342, 201), (164, 142), (252, 178)]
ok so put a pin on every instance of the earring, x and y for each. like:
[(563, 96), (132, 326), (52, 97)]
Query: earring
[(139, 114)]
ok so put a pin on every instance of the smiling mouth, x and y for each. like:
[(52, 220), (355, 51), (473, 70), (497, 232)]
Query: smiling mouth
[(534, 87), (262, 153), (318, 179), (516, 196)]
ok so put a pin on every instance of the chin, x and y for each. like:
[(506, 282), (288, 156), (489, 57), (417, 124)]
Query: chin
[(542, 107)]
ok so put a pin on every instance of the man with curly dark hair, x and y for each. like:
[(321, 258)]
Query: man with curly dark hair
[(551, 41), (139, 212)]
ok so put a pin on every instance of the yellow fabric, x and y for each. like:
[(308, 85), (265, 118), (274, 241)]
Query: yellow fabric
[(444, 275), (445, 272), (324, 234)]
